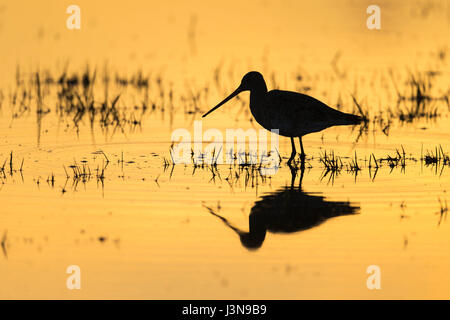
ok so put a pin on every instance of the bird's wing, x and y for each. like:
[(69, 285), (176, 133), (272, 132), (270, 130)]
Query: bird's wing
[(292, 111)]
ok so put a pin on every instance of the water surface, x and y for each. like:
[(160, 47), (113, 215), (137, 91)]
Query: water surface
[(141, 228)]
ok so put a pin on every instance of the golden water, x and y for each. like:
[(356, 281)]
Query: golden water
[(146, 232)]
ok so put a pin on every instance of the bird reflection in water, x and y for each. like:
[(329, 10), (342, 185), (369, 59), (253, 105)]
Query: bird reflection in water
[(287, 210)]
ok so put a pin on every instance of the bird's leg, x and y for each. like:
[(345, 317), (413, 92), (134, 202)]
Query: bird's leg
[(294, 152), (293, 175), (302, 171), (302, 155)]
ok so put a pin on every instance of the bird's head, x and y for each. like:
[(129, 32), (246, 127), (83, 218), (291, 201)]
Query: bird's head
[(251, 81)]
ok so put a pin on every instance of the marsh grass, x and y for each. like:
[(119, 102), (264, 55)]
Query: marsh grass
[(3, 243), (418, 100), (442, 211), (333, 165), (436, 157), (74, 97), (8, 169), (244, 167), (82, 173)]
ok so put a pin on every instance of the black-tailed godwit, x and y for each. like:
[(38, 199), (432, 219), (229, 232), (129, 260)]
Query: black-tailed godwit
[(293, 114)]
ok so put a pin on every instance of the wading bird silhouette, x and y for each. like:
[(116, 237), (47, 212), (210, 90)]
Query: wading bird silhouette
[(287, 210), (293, 114)]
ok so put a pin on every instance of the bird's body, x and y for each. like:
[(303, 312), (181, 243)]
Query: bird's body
[(293, 114)]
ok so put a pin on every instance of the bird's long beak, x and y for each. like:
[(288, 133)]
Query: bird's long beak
[(231, 96)]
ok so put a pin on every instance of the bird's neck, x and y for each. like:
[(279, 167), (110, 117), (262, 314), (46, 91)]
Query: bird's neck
[(257, 95)]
